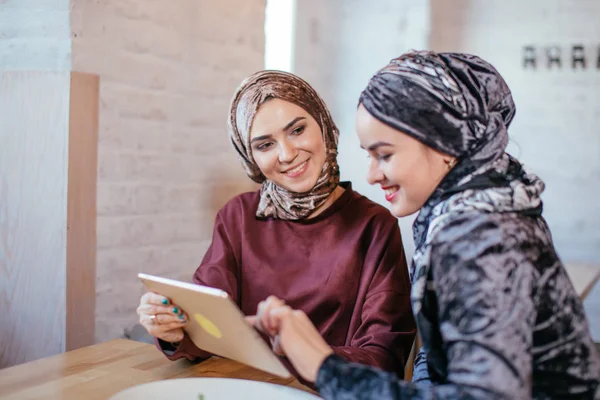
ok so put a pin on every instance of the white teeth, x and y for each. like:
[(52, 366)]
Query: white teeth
[(298, 168), (391, 191)]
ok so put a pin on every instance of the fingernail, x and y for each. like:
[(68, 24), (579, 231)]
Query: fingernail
[(175, 310), (165, 301), (181, 316)]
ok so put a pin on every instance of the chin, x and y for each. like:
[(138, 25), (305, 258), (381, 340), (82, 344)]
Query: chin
[(300, 188), (402, 209), (304, 186)]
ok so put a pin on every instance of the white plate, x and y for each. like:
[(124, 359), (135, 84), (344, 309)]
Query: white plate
[(211, 389)]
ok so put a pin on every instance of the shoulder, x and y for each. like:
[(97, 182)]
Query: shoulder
[(239, 206), (476, 247), (484, 275), (482, 230), (374, 213)]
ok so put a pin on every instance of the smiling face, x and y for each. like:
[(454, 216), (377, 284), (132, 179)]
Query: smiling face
[(407, 170), (287, 145)]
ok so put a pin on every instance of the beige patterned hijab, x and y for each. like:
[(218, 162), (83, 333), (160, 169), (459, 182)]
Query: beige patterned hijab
[(276, 201)]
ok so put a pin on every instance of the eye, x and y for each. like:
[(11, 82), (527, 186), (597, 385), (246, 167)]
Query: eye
[(264, 146), (384, 157), (298, 130)]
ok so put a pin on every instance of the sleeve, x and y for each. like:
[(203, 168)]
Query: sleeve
[(387, 329), (483, 283), (420, 372), (218, 269)]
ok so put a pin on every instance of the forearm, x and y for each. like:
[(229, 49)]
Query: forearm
[(420, 372), (339, 379), (370, 355)]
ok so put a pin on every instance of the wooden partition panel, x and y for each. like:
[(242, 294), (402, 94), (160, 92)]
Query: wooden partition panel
[(48, 151), (81, 210)]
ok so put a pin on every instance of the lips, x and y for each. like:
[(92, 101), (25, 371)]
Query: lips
[(297, 170), (390, 192)]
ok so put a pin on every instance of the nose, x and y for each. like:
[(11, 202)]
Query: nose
[(287, 152), (374, 173)]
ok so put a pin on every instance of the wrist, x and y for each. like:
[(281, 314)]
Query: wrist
[(319, 359)]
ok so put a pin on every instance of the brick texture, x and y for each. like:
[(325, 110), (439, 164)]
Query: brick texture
[(340, 44), (165, 165)]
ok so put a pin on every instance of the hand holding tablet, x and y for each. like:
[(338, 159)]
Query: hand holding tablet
[(214, 323), (161, 318)]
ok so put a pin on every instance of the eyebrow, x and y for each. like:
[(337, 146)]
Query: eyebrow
[(376, 145), (285, 128)]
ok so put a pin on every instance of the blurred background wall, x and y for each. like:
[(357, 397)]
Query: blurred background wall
[(168, 69)]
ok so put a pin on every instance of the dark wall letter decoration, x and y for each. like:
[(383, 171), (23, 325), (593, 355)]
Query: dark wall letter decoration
[(553, 55), (578, 56), (529, 57)]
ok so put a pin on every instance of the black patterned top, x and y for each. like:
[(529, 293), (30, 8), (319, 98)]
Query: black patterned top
[(496, 311)]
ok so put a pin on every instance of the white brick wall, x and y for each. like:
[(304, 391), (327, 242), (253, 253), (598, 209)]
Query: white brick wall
[(165, 167), (340, 44), (168, 72), (35, 35)]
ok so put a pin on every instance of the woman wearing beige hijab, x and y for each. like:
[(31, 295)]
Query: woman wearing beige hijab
[(304, 236)]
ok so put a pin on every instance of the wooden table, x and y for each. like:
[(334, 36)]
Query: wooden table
[(101, 370), (583, 276)]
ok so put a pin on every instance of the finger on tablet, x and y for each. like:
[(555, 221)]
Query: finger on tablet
[(154, 298)]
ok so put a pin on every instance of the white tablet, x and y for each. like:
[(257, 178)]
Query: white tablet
[(216, 324)]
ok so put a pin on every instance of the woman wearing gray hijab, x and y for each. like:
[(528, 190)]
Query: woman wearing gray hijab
[(495, 309)]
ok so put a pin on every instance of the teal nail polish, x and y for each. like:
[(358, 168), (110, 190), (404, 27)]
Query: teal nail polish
[(180, 316), (165, 301), (175, 310)]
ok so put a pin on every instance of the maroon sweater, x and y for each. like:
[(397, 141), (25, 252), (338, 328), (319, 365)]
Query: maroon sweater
[(346, 269)]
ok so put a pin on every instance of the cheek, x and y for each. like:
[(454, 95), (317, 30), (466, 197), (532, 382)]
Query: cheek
[(400, 171), (409, 173), (320, 151), (313, 142), (265, 161), (420, 182)]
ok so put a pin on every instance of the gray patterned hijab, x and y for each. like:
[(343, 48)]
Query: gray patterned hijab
[(457, 104), (276, 201)]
